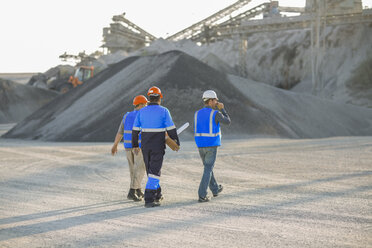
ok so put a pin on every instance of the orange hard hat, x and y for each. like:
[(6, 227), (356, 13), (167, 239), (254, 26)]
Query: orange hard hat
[(139, 99), (154, 91)]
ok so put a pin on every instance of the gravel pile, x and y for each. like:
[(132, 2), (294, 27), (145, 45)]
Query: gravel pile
[(93, 111), (18, 101)]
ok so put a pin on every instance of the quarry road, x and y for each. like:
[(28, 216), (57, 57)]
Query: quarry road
[(277, 193)]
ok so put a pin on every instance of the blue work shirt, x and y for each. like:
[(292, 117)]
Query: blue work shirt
[(153, 121)]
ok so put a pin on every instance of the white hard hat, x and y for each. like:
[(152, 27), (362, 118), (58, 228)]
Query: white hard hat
[(209, 94)]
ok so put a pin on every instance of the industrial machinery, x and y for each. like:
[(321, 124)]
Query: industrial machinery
[(64, 84), (82, 74)]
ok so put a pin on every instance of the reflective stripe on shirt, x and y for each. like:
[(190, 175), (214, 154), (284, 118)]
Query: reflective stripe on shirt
[(153, 130), (171, 127)]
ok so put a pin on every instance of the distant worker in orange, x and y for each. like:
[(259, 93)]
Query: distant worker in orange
[(135, 161)]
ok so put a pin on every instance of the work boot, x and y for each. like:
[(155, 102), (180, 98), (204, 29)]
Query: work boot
[(220, 188), (158, 200), (152, 204), (137, 196), (203, 199), (158, 195), (139, 193), (132, 195)]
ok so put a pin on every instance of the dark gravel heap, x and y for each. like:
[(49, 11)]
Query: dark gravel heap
[(18, 101), (93, 111)]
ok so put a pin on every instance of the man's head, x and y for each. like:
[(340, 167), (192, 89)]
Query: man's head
[(210, 98), (154, 94), (139, 101)]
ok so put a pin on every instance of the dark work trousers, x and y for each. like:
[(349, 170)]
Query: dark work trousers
[(153, 160)]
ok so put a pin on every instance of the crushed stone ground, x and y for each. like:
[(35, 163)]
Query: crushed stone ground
[(277, 193)]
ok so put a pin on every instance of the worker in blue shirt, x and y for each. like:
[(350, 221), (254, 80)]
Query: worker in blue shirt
[(207, 134), (135, 161), (153, 121)]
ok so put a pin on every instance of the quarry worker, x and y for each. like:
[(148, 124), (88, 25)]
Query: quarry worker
[(135, 160), (153, 121), (207, 134)]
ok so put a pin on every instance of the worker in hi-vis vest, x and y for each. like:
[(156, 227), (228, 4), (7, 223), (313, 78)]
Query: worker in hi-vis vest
[(135, 161), (153, 121), (207, 134)]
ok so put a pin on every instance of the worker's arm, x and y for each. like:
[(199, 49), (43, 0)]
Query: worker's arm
[(114, 148), (171, 143), (222, 116), (135, 131), (118, 137), (135, 134), (135, 145), (171, 128), (173, 135)]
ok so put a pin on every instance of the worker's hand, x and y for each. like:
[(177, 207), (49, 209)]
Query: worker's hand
[(136, 150), (177, 148), (220, 105), (114, 150)]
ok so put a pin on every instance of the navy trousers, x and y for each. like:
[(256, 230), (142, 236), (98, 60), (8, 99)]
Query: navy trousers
[(153, 160)]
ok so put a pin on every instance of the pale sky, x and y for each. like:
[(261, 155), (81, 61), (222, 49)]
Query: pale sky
[(35, 32)]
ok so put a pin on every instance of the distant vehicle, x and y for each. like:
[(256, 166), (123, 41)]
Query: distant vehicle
[(82, 73), (62, 78)]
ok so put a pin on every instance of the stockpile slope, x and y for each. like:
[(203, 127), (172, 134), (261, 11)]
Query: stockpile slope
[(93, 111), (83, 112), (17, 101), (302, 115), (283, 59)]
